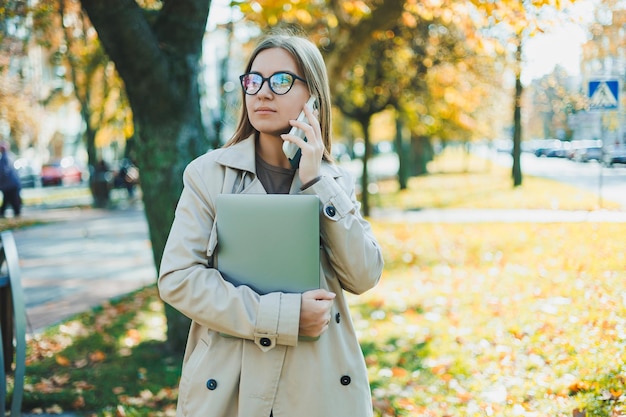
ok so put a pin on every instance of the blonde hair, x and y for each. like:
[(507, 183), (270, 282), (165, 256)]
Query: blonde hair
[(311, 63)]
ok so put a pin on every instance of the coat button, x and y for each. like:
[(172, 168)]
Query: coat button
[(330, 210), (345, 380), (211, 384), (338, 317), (265, 342)]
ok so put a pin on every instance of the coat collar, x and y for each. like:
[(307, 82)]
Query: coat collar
[(242, 156)]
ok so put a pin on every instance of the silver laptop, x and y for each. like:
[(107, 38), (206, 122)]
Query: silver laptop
[(269, 242)]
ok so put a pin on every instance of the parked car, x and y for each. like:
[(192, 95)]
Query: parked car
[(29, 177), (560, 152), (61, 172), (615, 156), (584, 150), (588, 154), (547, 146)]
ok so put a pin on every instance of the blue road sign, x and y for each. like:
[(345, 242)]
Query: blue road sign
[(603, 95)]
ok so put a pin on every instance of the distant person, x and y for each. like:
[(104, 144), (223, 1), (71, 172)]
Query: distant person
[(128, 177), (268, 366), (9, 183), (101, 184)]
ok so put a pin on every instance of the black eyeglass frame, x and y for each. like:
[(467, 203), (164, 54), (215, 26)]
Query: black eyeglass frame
[(263, 79)]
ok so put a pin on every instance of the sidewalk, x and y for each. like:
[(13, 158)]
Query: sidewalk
[(81, 259), (499, 216)]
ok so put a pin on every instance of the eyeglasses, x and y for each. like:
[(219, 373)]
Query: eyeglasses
[(280, 82)]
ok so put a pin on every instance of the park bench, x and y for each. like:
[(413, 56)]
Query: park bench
[(12, 324)]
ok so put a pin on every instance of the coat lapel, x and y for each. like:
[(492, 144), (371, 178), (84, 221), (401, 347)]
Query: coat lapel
[(241, 176)]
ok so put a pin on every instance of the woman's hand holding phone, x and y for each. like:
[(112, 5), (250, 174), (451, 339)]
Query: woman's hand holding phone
[(309, 144)]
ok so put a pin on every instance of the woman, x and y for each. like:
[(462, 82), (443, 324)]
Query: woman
[(265, 369)]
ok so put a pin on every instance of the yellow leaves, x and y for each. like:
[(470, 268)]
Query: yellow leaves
[(397, 372), (62, 360), (355, 8), (97, 356), (153, 401), (55, 383), (409, 20), (94, 357), (559, 336), (133, 337), (579, 386), (78, 403), (69, 364), (53, 409)]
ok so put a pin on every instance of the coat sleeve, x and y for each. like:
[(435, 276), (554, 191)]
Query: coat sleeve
[(189, 283), (352, 249)]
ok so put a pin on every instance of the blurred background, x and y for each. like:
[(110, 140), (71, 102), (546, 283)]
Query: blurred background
[(503, 78)]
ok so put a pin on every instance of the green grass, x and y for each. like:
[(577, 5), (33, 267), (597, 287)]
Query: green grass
[(109, 359), (516, 319), (468, 320), (459, 180)]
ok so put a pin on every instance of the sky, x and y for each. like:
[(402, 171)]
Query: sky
[(560, 45), (545, 51)]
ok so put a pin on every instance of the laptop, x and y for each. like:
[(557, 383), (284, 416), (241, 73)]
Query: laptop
[(269, 242)]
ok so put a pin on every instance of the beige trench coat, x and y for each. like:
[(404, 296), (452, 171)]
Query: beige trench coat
[(265, 367)]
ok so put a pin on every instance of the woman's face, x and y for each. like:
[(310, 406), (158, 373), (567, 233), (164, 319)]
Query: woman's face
[(269, 113)]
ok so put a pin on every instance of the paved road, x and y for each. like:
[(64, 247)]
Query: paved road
[(82, 259)]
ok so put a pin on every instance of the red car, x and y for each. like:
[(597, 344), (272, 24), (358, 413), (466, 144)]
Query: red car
[(61, 172)]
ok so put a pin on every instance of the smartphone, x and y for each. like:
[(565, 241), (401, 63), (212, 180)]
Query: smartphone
[(291, 150)]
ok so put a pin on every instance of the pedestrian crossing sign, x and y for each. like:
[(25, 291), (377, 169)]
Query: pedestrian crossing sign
[(604, 95)]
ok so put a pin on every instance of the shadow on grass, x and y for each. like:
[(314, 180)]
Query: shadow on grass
[(92, 376), (113, 356)]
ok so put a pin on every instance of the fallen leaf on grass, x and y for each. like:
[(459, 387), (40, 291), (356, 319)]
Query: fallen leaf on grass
[(46, 387), (97, 356), (119, 411), (78, 402), (81, 363), (579, 386), (133, 337), (60, 380), (83, 385), (55, 409), (62, 360)]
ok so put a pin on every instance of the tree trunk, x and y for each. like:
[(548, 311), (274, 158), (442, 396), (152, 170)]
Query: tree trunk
[(159, 64), (421, 154), (365, 201), (403, 176), (517, 119)]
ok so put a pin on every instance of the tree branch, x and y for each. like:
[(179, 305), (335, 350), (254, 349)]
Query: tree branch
[(350, 45)]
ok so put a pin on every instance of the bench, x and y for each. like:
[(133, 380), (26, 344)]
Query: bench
[(12, 324)]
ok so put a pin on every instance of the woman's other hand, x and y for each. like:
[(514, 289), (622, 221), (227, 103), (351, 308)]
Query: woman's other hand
[(315, 312)]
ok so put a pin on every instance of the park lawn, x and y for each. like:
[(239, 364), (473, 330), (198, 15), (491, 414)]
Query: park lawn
[(461, 180), (510, 319), (497, 319)]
